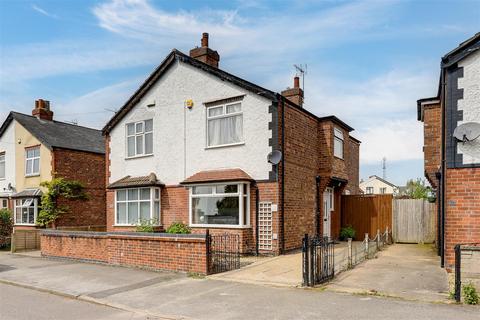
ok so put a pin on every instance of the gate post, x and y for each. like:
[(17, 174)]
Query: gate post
[(458, 266), (207, 243), (366, 245), (305, 260), (378, 239), (350, 262), (313, 262)]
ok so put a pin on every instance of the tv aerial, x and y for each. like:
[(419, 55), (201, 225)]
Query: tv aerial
[(467, 132), (274, 157)]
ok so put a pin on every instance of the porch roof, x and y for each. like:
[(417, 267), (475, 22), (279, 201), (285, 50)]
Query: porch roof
[(218, 176), (130, 182), (28, 193)]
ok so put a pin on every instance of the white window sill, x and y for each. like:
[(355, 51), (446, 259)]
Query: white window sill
[(139, 157), (225, 145), (216, 226), (25, 224), (32, 175), (135, 225)]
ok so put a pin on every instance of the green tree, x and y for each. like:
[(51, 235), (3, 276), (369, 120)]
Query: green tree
[(57, 189), (416, 189)]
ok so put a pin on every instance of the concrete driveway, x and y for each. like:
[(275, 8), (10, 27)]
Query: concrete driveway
[(408, 271)]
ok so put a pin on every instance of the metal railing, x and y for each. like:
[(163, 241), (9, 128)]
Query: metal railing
[(223, 252), (459, 249)]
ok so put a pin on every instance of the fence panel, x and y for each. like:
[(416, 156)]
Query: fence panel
[(413, 221), (25, 240), (367, 213)]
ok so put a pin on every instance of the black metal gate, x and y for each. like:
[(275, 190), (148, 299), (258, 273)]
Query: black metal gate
[(223, 252), (317, 260)]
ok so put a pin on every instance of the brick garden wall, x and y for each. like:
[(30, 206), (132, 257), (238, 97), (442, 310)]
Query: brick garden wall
[(353, 163), (153, 251), (462, 216), (89, 169)]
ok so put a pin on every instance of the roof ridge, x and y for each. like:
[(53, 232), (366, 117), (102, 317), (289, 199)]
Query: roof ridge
[(56, 121)]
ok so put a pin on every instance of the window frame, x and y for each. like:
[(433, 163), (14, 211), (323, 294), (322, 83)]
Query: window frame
[(3, 155), (152, 201), (32, 174), (243, 212), (367, 189), (222, 116), (35, 211), (135, 135), (383, 190), (338, 135)]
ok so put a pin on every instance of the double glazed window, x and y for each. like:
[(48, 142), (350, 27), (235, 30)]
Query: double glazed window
[(2, 165), (369, 190), (140, 138), (134, 206), (224, 125), (219, 204), (26, 211), (383, 190), (32, 161), (338, 143)]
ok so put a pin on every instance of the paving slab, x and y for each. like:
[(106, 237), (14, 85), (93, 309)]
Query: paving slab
[(408, 271)]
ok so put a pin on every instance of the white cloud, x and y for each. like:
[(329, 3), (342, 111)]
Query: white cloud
[(44, 12)]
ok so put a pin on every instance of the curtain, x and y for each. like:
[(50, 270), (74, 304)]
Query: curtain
[(225, 130)]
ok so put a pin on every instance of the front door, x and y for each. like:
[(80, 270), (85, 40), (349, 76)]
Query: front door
[(327, 211)]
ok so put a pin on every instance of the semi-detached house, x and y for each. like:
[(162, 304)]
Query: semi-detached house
[(194, 144), (35, 148)]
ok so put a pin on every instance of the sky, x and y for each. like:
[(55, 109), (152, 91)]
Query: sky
[(367, 61)]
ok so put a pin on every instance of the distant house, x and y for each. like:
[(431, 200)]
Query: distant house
[(202, 146), (376, 185), (452, 165), (35, 148)]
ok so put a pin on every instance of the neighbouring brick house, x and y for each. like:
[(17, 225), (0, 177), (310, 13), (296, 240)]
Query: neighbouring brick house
[(37, 148), (452, 166), (193, 142)]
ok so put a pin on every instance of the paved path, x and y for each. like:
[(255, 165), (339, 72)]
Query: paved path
[(177, 296), (402, 270)]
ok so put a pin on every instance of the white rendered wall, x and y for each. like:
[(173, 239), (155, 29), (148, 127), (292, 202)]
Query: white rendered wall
[(7, 145), (178, 155), (470, 104), (377, 184)]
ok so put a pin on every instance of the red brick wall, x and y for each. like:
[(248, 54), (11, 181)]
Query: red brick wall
[(462, 216), (184, 254), (89, 169), (353, 162), (432, 135), (302, 144)]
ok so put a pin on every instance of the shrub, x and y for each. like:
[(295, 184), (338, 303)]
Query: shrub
[(146, 225), (470, 295), (179, 227), (347, 232), (6, 227)]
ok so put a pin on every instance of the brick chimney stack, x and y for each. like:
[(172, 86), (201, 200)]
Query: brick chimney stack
[(42, 110), (205, 54), (294, 94)]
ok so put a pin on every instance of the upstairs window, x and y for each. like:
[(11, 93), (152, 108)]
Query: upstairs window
[(369, 190), (383, 190), (338, 143), (224, 125), (32, 161), (140, 138), (2, 165)]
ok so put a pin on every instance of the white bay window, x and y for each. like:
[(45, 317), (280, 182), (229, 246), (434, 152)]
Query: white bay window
[(137, 205), (139, 138), (26, 211), (224, 125), (223, 205)]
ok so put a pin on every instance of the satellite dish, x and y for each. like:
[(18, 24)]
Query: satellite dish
[(467, 132), (274, 157)]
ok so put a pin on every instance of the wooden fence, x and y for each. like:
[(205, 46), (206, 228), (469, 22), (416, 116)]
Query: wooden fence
[(367, 213), (413, 221), (25, 240)]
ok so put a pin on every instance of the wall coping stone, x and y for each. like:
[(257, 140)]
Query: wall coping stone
[(133, 235)]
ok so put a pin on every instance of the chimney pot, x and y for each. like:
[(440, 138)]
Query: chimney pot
[(296, 82), (205, 40)]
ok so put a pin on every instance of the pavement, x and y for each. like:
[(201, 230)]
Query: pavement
[(284, 270), (407, 271), (168, 295)]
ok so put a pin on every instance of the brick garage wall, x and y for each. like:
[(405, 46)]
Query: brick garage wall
[(89, 169), (462, 216), (432, 135), (157, 252)]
